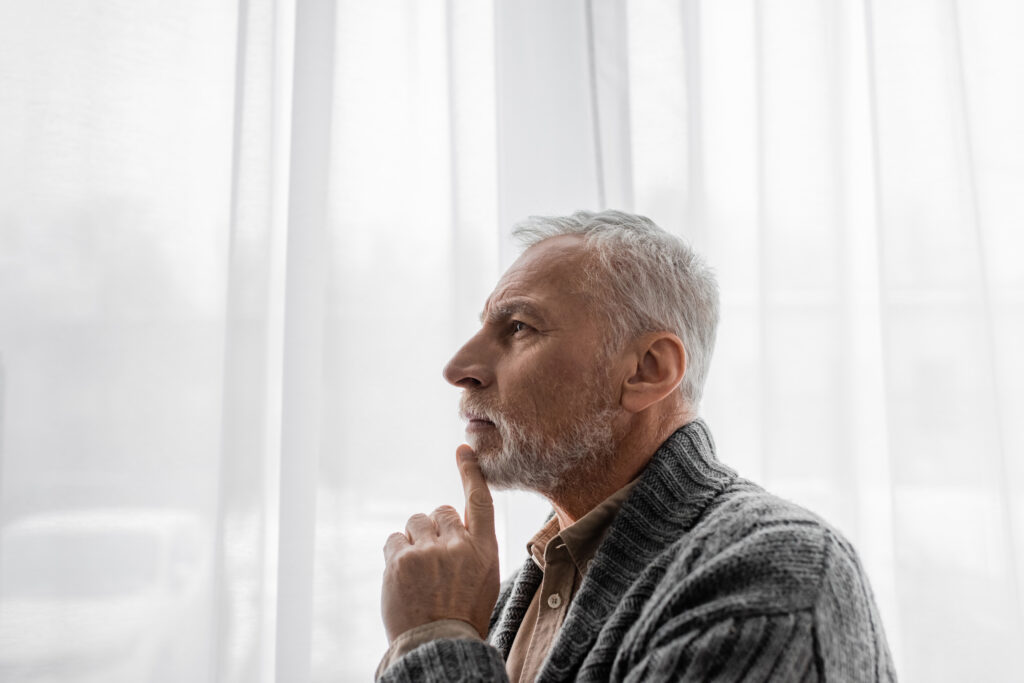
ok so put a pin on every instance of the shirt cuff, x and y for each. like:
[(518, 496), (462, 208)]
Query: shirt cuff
[(418, 635)]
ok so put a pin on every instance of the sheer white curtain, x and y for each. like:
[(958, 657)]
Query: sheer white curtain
[(239, 241)]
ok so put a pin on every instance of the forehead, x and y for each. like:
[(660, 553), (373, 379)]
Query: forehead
[(549, 272)]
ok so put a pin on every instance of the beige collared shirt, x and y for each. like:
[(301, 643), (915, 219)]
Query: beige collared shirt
[(564, 556)]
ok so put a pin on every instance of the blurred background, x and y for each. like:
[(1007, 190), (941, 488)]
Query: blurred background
[(238, 242)]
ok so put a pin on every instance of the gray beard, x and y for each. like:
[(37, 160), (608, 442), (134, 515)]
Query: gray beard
[(551, 465)]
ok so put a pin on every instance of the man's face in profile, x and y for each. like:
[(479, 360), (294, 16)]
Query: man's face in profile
[(537, 389)]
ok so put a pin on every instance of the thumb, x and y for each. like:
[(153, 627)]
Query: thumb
[(479, 504)]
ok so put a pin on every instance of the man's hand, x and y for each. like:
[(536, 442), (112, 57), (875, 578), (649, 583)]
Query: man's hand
[(442, 568)]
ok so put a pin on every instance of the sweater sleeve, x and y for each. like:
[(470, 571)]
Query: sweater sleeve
[(414, 637), (448, 659)]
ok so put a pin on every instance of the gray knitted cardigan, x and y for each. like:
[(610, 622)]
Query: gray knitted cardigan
[(703, 577)]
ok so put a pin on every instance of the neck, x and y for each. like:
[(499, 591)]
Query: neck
[(586, 490)]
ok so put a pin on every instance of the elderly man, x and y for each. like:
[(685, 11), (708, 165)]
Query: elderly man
[(658, 562)]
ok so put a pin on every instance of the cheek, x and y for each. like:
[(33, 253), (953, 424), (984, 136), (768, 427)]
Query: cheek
[(545, 385), (559, 386)]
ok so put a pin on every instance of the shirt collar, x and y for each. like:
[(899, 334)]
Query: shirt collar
[(583, 537)]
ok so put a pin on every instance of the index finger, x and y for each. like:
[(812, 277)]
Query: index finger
[(479, 504)]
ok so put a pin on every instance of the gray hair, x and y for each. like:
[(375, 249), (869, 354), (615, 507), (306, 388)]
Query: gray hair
[(650, 280)]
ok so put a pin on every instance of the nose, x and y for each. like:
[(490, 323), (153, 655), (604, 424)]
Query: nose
[(468, 368)]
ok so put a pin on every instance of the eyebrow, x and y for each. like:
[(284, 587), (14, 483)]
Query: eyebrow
[(510, 308)]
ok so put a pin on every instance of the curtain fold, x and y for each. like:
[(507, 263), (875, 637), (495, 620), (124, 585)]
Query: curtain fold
[(245, 547)]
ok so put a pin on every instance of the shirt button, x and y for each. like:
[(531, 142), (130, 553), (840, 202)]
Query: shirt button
[(554, 601)]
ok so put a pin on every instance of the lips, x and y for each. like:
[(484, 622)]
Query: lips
[(476, 420), (477, 423)]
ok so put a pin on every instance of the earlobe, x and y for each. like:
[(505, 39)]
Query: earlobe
[(659, 368)]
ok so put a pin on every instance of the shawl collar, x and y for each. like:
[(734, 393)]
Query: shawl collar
[(675, 488)]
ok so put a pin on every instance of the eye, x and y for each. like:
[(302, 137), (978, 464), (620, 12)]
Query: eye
[(518, 326)]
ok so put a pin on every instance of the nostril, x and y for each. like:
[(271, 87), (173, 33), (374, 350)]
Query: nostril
[(468, 368)]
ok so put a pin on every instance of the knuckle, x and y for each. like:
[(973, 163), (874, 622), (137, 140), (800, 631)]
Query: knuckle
[(412, 561), (391, 542), (408, 557), (417, 520), (399, 561)]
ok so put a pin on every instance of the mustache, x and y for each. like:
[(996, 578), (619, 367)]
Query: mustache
[(474, 406)]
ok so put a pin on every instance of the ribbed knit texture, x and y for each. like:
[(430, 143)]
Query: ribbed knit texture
[(703, 577)]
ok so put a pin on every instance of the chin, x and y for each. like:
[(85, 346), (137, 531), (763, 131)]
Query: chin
[(484, 445)]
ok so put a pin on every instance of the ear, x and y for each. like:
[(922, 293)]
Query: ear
[(660, 365)]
